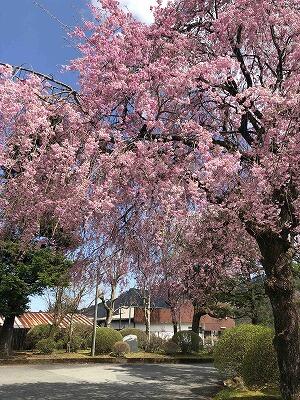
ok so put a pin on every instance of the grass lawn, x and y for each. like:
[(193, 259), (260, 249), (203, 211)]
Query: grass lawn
[(142, 354), (231, 394)]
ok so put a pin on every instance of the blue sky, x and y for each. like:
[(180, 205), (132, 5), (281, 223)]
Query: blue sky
[(30, 36)]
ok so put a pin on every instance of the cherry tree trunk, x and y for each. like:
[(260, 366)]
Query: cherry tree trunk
[(58, 314), (277, 257), (174, 320), (198, 313), (6, 335), (109, 317), (147, 314), (175, 327), (110, 307)]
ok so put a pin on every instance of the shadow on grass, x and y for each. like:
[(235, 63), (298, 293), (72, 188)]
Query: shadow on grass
[(232, 394)]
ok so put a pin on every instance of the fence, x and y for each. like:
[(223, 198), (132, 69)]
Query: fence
[(19, 338)]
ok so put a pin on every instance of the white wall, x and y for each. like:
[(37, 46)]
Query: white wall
[(162, 330)]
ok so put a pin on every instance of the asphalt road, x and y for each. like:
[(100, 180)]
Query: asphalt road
[(103, 381)]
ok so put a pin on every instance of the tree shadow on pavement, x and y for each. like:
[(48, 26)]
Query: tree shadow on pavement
[(89, 391), (134, 382), (202, 381)]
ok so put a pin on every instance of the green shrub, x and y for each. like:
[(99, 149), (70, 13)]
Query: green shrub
[(260, 367), (35, 334), (38, 332), (141, 336), (60, 345), (105, 339), (74, 344), (84, 332), (188, 341), (232, 347), (171, 347), (120, 349), (156, 344), (46, 346), (81, 337)]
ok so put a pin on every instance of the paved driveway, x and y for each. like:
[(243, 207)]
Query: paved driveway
[(101, 381)]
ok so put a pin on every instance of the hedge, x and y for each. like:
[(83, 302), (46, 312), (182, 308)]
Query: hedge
[(232, 347), (260, 367), (247, 351), (171, 348), (105, 340), (46, 346)]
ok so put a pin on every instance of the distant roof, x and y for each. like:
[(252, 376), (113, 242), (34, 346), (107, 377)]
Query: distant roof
[(31, 319), (131, 297), (209, 323), (122, 314)]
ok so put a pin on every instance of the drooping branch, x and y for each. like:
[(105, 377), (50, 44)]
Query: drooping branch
[(67, 88)]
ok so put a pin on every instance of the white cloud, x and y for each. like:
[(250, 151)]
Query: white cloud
[(140, 9)]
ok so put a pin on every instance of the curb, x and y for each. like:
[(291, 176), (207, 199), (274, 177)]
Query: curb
[(110, 360)]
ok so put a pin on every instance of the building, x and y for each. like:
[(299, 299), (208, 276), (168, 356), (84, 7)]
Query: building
[(28, 320), (130, 313)]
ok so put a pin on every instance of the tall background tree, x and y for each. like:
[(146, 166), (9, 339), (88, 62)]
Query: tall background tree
[(24, 273)]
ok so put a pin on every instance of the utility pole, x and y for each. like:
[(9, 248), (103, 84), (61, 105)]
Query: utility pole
[(149, 315), (129, 316), (95, 315)]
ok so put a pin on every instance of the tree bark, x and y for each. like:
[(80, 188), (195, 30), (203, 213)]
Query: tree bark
[(58, 315), (198, 313), (109, 317), (6, 336), (111, 309), (109, 305), (174, 319), (175, 328), (277, 257)]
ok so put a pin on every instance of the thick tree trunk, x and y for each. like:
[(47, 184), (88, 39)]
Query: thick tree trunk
[(196, 321), (198, 313), (6, 336), (277, 257), (175, 327)]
